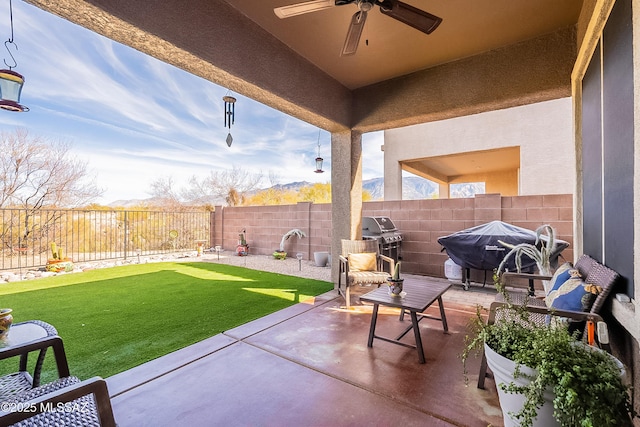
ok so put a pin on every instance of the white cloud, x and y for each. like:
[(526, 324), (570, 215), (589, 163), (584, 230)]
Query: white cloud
[(135, 118)]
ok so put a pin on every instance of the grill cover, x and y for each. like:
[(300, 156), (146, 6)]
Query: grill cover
[(478, 247)]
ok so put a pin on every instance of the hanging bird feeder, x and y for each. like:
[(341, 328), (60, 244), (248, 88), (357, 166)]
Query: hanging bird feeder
[(319, 159), (10, 81)]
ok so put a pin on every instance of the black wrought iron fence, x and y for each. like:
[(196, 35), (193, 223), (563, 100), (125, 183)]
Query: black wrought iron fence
[(91, 235)]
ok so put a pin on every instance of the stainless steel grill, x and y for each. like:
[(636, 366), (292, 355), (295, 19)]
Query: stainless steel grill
[(383, 230)]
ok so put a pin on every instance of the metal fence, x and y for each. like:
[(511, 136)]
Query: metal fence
[(91, 235)]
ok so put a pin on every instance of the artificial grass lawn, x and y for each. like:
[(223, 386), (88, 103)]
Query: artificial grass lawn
[(116, 318)]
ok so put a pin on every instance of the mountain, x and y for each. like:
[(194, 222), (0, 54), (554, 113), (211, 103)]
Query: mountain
[(412, 188)]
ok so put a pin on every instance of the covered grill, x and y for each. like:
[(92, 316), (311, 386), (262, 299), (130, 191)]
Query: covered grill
[(383, 230), (479, 247)]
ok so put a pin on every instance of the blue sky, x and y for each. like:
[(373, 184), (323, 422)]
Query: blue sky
[(134, 118)]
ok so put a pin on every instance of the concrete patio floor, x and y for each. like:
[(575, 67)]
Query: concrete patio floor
[(309, 365)]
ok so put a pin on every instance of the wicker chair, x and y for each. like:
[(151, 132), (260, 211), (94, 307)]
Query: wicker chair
[(22, 380), (65, 402), (593, 272), (371, 276)]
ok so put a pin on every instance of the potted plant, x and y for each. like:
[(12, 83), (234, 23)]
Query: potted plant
[(58, 262), (395, 281), (281, 254), (6, 319), (546, 377), (243, 247)]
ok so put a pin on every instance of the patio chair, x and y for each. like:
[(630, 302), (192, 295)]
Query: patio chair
[(65, 402), (590, 270), (361, 264)]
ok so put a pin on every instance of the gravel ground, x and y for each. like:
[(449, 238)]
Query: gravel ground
[(290, 266)]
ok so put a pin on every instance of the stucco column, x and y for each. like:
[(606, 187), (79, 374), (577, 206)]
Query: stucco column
[(346, 192), (443, 190), (392, 174)]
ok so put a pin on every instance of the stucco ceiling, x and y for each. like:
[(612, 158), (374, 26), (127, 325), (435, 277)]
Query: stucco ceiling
[(452, 166), (389, 48), (486, 54)]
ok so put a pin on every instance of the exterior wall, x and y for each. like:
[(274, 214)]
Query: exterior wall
[(421, 221), (543, 131), (598, 18)]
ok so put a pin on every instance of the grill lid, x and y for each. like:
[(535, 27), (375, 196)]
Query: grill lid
[(479, 247), (374, 225)]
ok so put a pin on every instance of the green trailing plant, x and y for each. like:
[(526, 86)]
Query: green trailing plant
[(587, 383)]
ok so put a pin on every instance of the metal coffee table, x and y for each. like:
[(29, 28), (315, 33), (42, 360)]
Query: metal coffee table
[(419, 296)]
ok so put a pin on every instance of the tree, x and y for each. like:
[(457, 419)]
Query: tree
[(316, 193), (272, 196), (230, 186), (35, 173), (162, 189)]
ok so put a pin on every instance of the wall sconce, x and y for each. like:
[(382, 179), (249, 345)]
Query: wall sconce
[(10, 81), (319, 159)]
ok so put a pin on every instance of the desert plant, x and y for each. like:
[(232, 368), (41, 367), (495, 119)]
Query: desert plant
[(57, 253), (540, 252), (295, 232), (395, 276)]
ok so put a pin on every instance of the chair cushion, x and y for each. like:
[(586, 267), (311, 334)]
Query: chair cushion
[(362, 262), (569, 291), (368, 277)]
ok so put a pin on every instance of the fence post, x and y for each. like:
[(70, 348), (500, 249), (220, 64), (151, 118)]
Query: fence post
[(126, 233)]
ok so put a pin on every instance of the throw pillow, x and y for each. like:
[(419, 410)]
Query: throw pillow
[(561, 275), (572, 293), (362, 262)]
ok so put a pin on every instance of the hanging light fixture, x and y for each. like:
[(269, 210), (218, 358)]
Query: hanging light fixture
[(319, 159), (229, 115), (10, 81)]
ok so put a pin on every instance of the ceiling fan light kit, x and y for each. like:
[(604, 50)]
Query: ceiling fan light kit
[(400, 11)]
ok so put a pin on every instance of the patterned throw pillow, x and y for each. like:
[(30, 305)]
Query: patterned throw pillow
[(570, 292), (362, 262)]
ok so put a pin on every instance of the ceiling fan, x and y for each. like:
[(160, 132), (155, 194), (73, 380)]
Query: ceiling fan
[(405, 13)]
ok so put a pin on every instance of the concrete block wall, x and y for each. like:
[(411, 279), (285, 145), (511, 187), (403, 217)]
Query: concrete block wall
[(265, 226), (422, 222)]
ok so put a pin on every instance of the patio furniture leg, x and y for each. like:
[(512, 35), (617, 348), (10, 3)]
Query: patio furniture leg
[(482, 375), (372, 328), (442, 315), (416, 332), (347, 293)]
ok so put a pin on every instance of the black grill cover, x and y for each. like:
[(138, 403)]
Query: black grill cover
[(478, 247)]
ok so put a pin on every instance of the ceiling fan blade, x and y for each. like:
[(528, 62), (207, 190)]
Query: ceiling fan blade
[(301, 8), (353, 34), (412, 16)]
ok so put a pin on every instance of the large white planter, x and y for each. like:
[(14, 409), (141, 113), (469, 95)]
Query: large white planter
[(511, 403)]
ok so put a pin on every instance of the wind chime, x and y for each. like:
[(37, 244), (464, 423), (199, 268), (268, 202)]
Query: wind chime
[(229, 115), (319, 159), (10, 81)]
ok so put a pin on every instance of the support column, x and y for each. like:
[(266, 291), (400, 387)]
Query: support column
[(443, 190), (392, 177), (346, 192)]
